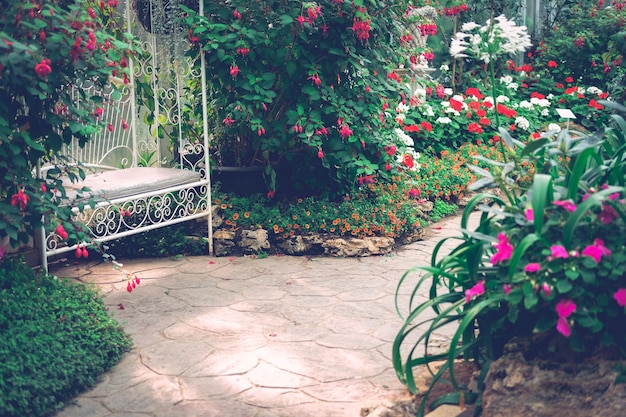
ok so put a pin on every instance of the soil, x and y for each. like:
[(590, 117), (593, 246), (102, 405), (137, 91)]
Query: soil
[(466, 374)]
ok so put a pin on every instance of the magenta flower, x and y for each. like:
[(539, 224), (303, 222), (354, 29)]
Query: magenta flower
[(476, 291), (607, 214), (566, 204), (504, 249), (546, 289), (564, 309), (530, 214), (506, 288), (620, 297), (558, 251), (597, 250), (532, 267)]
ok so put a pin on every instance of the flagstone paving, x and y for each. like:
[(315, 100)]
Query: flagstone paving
[(280, 336)]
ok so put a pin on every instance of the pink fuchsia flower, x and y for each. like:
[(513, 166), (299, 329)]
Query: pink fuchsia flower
[(564, 309), (506, 288), (558, 251), (20, 199), (597, 250), (503, 250), (530, 214), (345, 132), (476, 291), (315, 79), (620, 297), (43, 68), (532, 267), (234, 71), (320, 154), (566, 204)]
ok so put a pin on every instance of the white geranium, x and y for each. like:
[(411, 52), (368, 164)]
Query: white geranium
[(522, 123), (402, 108), (443, 120), (545, 112), (554, 127), (512, 86), (502, 99), (525, 104), (405, 139), (448, 91), (506, 79), (594, 90), (541, 102), (428, 110)]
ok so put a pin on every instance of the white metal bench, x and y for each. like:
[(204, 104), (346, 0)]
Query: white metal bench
[(138, 182)]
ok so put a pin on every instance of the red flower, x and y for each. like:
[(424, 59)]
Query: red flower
[(594, 104), (474, 92), (110, 127), (61, 232), (414, 192), (320, 154), (228, 121), (535, 94), (271, 193), (407, 161), (440, 91), (427, 126), (43, 68), (20, 199), (579, 42), (475, 128), (569, 80), (552, 64), (236, 14), (456, 105), (345, 131), (484, 121), (301, 19), (124, 124), (315, 79), (390, 150), (411, 128), (234, 71)]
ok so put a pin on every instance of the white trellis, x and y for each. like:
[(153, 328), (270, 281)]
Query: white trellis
[(145, 175)]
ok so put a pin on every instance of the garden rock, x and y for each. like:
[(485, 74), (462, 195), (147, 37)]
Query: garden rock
[(358, 247), (218, 220), (223, 242), (254, 241), (527, 381), (300, 245)]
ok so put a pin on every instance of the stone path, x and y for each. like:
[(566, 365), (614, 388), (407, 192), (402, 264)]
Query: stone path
[(280, 336)]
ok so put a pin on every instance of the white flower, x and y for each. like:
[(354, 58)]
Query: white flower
[(443, 120), (594, 90), (447, 91), (402, 108), (512, 86), (522, 123), (469, 26), (444, 68), (541, 102), (502, 99), (545, 112), (525, 104), (270, 26), (489, 99), (507, 79), (428, 110), (554, 127), (405, 139), (550, 96), (458, 47), (400, 117), (420, 94)]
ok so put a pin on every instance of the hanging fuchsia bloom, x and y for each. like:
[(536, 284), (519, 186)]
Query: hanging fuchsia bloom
[(504, 250), (566, 204), (234, 71), (476, 291), (20, 199), (345, 131), (320, 154), (532, 267), (597, 250), (43, 68), (620, 297), (558, 251), (564, 309)]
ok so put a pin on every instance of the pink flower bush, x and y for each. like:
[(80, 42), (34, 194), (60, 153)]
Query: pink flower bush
[(596, 251), (532, 267), (558, 251), (620, 297)]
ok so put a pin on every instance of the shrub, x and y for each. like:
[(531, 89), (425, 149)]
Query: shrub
[(56, 338), (545, 257), (47, 48), (302, 88)]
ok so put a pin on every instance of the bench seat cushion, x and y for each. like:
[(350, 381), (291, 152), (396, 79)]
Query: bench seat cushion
[(121, 183)]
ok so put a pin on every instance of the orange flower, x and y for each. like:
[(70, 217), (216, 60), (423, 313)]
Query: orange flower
[(235, 216), (246, 215), (276, 228), (332, 230), (223, 206), (336, 221)]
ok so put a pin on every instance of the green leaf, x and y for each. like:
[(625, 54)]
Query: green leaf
[(286, 20), (572, 274), (542, 193), (563, 286)]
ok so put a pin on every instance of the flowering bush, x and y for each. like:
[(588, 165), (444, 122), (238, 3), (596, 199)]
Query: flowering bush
[(547, 257), (303, 88), (46, 49), (586, 43)]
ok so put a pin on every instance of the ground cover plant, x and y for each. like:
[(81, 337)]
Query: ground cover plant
[(56, 338)]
